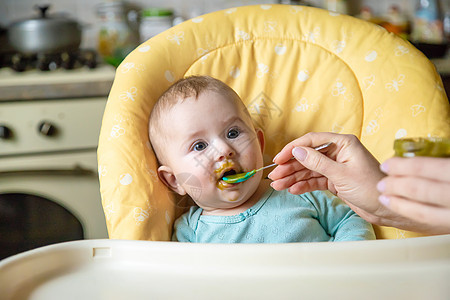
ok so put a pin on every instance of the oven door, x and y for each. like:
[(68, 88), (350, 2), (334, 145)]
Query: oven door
[(46, 199)]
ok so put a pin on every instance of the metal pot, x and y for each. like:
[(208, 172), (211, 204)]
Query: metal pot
[(45, 34)]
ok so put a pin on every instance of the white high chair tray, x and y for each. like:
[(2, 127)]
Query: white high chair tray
[(416, 268)]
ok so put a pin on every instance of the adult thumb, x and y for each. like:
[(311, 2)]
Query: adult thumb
[(316, 161)]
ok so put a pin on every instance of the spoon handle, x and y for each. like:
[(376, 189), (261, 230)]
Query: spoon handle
[(237, 178), (318, 148)]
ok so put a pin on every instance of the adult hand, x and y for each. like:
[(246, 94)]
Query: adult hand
[(346, 168), (418, 188)]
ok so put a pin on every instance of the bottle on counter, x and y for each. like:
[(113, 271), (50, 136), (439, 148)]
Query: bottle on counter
[(427, 24), (154, 21)]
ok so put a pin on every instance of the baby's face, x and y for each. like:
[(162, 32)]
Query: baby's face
[(207, 138)]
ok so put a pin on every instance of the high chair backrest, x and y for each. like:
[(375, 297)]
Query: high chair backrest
[(298, 69)]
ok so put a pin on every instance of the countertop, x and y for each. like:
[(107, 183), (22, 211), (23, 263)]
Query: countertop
[(35, 84)]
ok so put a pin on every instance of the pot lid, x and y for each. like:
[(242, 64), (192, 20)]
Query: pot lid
[(44, 18)]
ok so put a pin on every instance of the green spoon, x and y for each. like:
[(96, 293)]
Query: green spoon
[(236, 178)]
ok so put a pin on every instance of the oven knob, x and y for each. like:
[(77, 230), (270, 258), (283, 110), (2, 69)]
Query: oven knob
[(47, 129), (5, 132)]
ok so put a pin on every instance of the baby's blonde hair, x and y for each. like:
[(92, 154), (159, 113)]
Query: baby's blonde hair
[(191, 86)]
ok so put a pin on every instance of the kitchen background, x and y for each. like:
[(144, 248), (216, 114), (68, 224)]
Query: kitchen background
[(85, 11), (51, 103)]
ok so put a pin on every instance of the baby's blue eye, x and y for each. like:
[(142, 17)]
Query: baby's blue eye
[(233, 133), (200, 146)]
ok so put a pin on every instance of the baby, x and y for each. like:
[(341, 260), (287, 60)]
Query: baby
[(200, 130)]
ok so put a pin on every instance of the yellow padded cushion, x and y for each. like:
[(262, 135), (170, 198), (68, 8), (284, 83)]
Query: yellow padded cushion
[(298, 69)]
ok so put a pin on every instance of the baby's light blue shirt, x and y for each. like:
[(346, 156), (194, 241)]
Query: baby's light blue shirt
[(278, 217)]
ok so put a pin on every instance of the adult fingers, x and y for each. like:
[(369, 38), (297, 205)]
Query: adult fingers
[(316, 161), (312, 184), (416, 188), (437, 217), (428, 167), (285, 169), (287, 181)]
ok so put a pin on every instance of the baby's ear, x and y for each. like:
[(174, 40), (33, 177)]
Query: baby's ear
[(261, 139), (166, 175)]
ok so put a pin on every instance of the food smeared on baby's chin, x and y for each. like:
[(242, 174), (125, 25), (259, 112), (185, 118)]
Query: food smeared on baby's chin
[(222, 185)]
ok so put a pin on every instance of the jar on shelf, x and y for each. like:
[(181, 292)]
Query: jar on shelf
[(116, 38), (395, 21), (154, 21)]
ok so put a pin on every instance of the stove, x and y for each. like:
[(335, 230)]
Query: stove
[(49, 61), (49, 127)]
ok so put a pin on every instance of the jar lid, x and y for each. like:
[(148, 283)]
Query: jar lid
[(157, 12)]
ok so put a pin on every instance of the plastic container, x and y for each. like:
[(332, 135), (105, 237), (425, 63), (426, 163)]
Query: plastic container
[(434, 147), (154, 21)]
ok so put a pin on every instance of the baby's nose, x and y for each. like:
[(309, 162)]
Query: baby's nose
[(228, 154), (225, 152)]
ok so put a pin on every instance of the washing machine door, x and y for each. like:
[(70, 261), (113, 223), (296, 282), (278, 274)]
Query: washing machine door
[(29, 221)]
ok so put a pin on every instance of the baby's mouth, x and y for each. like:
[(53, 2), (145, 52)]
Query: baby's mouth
[(224, 171), (228, 173)]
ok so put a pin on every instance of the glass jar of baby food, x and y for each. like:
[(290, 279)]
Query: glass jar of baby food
[(431, 146), (116, 38)]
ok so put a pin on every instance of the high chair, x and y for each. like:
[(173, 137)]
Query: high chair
[(298, 69)]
